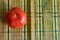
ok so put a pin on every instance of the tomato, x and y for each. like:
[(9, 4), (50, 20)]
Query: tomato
[(16, 17)]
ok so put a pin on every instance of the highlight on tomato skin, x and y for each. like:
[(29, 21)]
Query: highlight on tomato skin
[(16, 18)]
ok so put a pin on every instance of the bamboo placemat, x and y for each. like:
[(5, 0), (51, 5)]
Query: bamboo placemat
[(43, 20)]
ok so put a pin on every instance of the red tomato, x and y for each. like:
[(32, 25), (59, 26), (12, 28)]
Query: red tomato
[(16, 18)]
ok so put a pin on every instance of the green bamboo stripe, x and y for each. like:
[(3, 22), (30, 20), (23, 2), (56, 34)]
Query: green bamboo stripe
[(8, 26), (35, 3), (25, 5), (55, 18), (24, 26), (43, 18), (39, 22), (29, 19)]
